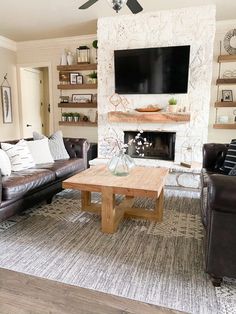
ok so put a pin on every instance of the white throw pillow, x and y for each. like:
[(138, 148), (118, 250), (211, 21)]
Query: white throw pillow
[(56, 145), (5, 164), (40, 151), (19, 155)]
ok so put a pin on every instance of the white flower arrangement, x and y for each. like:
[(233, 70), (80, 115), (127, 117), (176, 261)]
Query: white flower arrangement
[(116, 144)]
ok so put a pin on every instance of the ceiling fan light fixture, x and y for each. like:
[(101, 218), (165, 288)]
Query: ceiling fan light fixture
[(117, 5)]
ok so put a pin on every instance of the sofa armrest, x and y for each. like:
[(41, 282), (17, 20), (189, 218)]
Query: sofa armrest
[(77, 148), (222, 193), (212, 152)]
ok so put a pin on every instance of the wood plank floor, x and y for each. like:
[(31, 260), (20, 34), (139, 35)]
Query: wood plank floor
[(25, 294)]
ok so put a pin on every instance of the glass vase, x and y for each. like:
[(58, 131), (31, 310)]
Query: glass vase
[(121, 164)]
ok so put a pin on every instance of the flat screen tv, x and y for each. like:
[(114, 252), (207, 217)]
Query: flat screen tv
[(152, 70)]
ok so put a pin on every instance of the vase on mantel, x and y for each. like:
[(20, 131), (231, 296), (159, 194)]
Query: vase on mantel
[(121, 164)]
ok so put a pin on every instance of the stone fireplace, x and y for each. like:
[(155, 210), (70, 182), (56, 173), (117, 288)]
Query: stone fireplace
[(161, 145), (188, 26)]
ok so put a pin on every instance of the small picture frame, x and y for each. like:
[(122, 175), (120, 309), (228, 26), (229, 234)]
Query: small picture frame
[(6, 104), (227, 95), (73, 78), (79, 79), (82, 98)]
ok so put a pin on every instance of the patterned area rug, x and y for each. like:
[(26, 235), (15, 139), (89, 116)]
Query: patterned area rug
[(159, 263)]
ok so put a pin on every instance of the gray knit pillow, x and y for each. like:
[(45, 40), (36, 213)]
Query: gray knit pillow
[(56, 145)]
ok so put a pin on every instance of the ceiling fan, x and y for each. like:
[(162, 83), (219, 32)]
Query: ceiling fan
[(117, 5)]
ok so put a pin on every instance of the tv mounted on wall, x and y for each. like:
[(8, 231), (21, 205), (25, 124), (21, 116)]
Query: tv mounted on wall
[(152, 70)]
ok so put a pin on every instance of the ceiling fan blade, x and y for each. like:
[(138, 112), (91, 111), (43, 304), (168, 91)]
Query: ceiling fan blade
[(87, 4), (134, 6)]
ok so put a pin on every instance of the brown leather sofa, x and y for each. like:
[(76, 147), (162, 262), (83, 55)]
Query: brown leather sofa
[(24, 189), (218, 205)]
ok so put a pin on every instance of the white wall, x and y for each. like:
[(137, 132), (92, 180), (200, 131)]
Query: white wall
[(40, 52), (188, 26), (8, 65), (218, 135)]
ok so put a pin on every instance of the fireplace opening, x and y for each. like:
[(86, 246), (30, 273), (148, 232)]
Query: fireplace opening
[(161, 145)]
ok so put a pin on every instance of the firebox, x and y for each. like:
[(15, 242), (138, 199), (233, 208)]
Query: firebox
[(151, 144)]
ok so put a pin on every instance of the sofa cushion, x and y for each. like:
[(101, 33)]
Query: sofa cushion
[(19, 155), (56, 145), (64, 168), (21, 182), (230, 159), (40, 151), (5, 164)]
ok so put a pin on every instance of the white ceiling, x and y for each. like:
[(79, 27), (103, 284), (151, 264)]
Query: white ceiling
[(22, 20)]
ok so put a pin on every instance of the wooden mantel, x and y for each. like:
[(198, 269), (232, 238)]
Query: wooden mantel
[(148, 117)]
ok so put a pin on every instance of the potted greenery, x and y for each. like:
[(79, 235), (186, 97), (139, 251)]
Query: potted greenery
[(70, 116), (172, 105), (64, 116), (76, 116), (93, 77)]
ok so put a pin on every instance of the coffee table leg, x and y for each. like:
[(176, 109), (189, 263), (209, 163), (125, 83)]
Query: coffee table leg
[(111, 216), (158, 213), (85, 199)]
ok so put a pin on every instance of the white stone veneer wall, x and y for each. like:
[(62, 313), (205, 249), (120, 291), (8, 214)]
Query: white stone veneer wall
[(188, 26)]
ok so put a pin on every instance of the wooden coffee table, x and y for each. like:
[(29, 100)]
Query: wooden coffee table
[(141, 182)]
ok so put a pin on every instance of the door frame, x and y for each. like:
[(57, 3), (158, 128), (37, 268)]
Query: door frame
[(34, 66)]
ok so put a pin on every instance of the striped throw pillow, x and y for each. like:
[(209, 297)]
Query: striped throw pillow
[(230, 158), (19, 155)]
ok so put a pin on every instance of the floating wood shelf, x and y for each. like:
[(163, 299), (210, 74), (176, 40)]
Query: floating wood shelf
[(226, 81), (77, 67), (157, 117), (80, 123), (78, 105), (77, 86), (226, 58), (228, 126), (225, 104)]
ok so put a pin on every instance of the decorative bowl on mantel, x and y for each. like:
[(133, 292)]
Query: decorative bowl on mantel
[(150, 108)]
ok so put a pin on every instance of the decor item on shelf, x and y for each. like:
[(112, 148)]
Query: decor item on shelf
[(117, 5), (95, 46), (94, 98), (76, 116), (64, 116), (64, 78), (229, 74), (150, 108), (70, 58), (79, 79), (82, 98), (83, 55), (227, 95), (223, 119), (234, 112), (121, 164), (64, 58), (92, 115), (231, 49), (92, 77), (64, 99), (85, 118), (116, 100), (70, 116), (6, 101), (172, 105), (73, 78)]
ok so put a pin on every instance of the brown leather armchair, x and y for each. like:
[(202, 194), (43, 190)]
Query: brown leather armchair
[(218, 205)]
